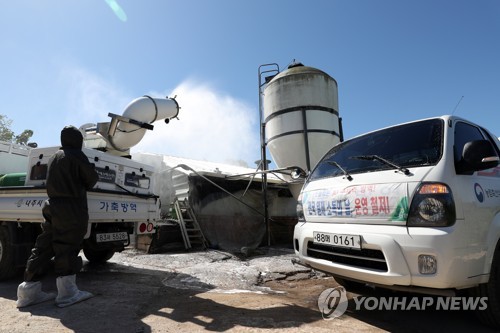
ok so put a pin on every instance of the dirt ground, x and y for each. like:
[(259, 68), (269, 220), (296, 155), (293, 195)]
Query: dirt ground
[(211, 291)]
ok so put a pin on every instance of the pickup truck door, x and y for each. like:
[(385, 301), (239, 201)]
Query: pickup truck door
[(479, 196)]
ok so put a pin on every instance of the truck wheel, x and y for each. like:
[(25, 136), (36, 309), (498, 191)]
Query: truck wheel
[(97, 256), (7, 267), (491, 315)]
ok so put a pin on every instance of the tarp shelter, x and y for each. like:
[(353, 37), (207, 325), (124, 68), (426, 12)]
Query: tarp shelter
[(226, 222)]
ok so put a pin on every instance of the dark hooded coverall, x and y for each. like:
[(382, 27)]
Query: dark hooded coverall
[(69, 176)]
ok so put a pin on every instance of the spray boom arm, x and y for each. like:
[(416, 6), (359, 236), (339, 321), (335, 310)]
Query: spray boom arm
[(127, 130)]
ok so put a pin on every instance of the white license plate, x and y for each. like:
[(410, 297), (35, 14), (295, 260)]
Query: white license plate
[(111, 237), (350, 241)]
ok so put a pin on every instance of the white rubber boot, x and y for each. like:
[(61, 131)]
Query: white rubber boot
[(68, 293), (29, 293)]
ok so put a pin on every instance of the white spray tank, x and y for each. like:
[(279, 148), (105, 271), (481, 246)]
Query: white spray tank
[(301, 117), (125, 131)]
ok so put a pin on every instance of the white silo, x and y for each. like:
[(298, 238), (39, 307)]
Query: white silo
[(301, 116)]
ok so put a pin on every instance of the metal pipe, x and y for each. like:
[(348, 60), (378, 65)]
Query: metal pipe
[(291, 169), (263, 148), (306, 139), (188, 168)]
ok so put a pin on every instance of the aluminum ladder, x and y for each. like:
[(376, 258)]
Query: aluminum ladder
[(190, 229)]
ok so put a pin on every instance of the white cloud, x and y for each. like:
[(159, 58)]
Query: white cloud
[(212, 126), (90, 97)]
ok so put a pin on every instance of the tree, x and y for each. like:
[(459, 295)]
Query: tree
[(24, 137), (6, 134)]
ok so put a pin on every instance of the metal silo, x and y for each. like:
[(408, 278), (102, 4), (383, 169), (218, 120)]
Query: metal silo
[(300, 115)]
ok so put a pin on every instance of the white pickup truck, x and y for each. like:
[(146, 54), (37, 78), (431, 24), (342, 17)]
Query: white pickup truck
[(412, 207), (122, 202)]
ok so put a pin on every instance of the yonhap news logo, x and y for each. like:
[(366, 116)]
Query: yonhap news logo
[(421, 303), (333, 303)]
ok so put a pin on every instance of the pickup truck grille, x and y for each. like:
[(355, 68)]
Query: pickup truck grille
[(364, 258)]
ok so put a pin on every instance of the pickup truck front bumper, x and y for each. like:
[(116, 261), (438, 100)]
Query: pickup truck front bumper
[(389, 255)]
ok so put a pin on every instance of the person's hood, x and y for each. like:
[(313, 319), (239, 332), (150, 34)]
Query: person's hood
[(71, 137)]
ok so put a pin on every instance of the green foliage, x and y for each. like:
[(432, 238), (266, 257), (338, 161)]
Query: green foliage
[(6, 134), (24, 137)]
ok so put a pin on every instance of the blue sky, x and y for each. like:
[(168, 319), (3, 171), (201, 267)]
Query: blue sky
[(73, 61)]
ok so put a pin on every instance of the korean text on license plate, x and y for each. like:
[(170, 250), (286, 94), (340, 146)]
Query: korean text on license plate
[(111, 237), (342, 240)]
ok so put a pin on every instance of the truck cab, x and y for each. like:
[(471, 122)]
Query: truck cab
[(412, 207)]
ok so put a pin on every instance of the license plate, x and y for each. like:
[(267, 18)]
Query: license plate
[(111, 237), (350, 241)]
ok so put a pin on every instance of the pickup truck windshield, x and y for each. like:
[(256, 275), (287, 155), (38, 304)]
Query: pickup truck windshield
[(410, 145)]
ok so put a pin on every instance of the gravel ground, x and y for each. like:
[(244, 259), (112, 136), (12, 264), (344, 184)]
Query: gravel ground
[(210, 291)]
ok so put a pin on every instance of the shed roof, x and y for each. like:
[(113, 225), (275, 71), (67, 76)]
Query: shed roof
[(206, 168)]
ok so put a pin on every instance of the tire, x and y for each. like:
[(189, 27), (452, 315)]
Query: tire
[(7, 267), (97, 256), (491, 315)]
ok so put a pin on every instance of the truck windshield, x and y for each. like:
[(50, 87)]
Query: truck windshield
[(410, 145)]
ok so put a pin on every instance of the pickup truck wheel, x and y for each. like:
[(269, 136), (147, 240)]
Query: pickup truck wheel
[(97, 256), (491, 315), (7, 267)]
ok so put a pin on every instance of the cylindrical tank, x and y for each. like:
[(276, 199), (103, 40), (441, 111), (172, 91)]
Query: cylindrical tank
[(13, 179), (301, 116), (144, 109)]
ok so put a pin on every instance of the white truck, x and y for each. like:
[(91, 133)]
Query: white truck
[(412, 207), (120, 204)]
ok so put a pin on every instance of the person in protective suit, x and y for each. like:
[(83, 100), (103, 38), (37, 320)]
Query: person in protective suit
[(69, 176)]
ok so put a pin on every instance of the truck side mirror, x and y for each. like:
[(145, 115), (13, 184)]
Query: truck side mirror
[(478, 155)]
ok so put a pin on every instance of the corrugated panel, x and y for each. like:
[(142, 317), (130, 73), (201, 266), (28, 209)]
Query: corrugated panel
[(205, 168), (13, 148), (13, 157), (180, 177)]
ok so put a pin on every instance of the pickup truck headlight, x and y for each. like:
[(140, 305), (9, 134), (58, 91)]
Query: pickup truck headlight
[(432, 206), (300, 209)]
